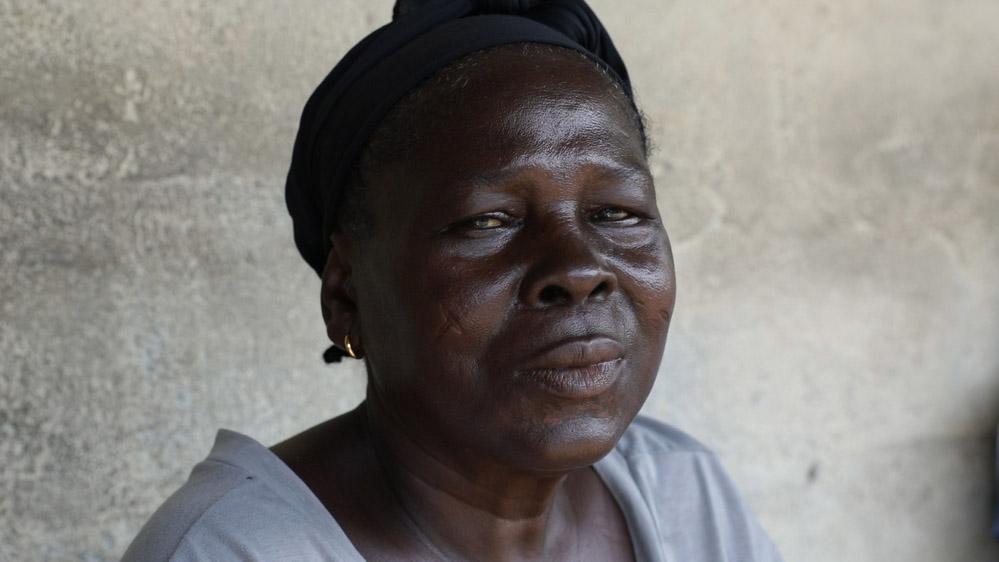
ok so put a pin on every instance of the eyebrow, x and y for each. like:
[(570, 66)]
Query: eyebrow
[(609, 166)]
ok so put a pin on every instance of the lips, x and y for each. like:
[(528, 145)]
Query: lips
[(577, 367), (576, 353)]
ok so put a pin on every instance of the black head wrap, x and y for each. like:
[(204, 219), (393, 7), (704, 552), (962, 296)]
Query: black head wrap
[(357, 94)]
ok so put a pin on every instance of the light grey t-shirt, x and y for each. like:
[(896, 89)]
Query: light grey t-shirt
[(243, 503)]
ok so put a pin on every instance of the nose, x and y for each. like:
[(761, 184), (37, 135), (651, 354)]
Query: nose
[(569, 271)]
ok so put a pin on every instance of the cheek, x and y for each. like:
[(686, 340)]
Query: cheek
[(465, 305), (457, 313), (649, 278)]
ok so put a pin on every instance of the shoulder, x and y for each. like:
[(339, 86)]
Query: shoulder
[(667, 464), (213, 491), (649, 436), (689, 496), (233, 508), (657, 451)]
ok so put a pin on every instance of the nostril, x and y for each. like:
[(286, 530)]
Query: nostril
[(601, 289), (553, 294)]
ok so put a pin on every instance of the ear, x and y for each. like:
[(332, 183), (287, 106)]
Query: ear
[(337, 296)]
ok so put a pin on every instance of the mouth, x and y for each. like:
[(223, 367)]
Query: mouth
[(576, 368)]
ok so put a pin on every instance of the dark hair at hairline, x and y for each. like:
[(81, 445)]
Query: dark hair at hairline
[(389, 140)]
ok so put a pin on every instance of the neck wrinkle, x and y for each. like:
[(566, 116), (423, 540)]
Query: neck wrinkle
[(507, 512)]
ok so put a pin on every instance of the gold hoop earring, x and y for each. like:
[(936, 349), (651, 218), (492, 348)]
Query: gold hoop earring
[(350, 349)]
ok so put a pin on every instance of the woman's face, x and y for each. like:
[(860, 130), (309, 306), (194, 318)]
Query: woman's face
[(514, 295)]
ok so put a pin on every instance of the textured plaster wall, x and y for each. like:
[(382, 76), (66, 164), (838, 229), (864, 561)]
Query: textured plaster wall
[(829, 172)]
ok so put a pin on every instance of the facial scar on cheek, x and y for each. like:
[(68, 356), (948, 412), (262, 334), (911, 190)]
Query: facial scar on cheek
[(449, 322)]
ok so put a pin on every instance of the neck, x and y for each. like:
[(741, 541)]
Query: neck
[(468, 508)]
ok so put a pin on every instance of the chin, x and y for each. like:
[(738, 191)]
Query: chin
[(569, 443)]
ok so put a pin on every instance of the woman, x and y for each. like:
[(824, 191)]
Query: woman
[(471, 184)]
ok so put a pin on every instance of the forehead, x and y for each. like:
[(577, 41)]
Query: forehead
[(509, 107), (526, 97)]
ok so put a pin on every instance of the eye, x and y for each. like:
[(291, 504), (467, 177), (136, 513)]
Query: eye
[(485, 222), (614, 214)]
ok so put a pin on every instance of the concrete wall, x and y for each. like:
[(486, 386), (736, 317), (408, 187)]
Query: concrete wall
[(829, 172)]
